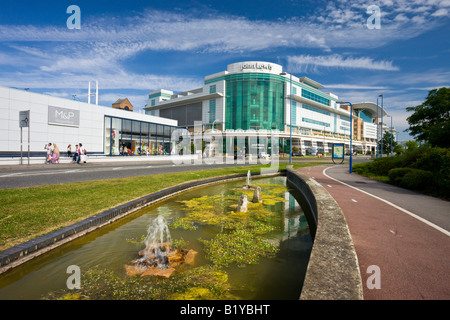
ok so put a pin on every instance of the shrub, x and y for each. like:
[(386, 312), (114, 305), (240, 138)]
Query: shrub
[(396, 175), (417, 179), (381, 166)]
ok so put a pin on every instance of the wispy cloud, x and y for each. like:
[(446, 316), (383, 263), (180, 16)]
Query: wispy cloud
[(305, 63)]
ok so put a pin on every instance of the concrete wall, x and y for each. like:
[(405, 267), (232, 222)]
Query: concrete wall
[(333, 270)]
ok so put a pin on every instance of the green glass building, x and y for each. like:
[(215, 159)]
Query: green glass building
[(258, 96)]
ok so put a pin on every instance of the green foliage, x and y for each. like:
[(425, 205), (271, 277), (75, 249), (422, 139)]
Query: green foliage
[(425, 169), (430, 121), (396, 175), (379, 166), (417, 179)]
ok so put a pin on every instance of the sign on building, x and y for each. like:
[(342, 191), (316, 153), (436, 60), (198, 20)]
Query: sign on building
[(63, 117)]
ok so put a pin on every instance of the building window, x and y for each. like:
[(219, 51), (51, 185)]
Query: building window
[(212, 110), (212, 89), (305, 106), (294, 113), (320, 123), (312, 96), (131, 137), (254, 102), (294, 90), (153, 102)]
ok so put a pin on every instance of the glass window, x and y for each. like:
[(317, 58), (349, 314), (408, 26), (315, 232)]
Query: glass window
[(126, 141), (116, 134), (107, 135), (136, 137), (153, 138), (212, 89), (145, 127), (294, 113), (312, 96), (212, 110), (254, 102), (320, 123)]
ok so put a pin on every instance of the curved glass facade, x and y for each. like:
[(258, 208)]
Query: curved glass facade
[(254, 101)]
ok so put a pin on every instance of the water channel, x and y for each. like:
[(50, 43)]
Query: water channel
[(275, 234)]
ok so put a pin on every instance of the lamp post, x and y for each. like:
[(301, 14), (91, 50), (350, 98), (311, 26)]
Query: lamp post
[(388, 115), (381, 138), (378, 127), (351, 133), (290, 117)]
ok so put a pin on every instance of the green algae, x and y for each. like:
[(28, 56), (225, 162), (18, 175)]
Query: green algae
[(194, 283), (240, 246)]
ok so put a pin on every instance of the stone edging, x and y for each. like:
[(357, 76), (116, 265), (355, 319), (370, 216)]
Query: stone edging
[(26, 251), (333, 270)]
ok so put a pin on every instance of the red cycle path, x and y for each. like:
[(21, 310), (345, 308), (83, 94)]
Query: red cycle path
[(413, 257)]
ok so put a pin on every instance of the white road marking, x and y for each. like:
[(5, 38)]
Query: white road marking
[(354, 200), (393, 205)]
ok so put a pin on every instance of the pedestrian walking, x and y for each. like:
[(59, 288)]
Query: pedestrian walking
[(76, 154), (55, 154), (49, 153), (69, 150), (82, 153)]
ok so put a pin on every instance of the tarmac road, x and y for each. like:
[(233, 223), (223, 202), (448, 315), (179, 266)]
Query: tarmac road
[(16, 177)]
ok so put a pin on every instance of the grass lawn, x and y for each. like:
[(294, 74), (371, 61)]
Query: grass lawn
[(31, 212)]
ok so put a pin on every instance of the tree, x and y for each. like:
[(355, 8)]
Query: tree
[(387, 143), (411, 145), (431, 120)]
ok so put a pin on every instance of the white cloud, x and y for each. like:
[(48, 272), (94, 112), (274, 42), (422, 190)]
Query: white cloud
[(440, 13), (303, 63)]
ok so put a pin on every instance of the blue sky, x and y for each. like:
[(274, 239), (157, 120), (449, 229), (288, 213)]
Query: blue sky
[(134, 47)]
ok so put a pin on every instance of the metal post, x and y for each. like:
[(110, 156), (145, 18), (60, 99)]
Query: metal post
[(290, 124), (378, 133), (391, 138), (351, 136), (21, 148), (382, 112), (29, 139)]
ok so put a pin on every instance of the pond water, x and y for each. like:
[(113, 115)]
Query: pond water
[(260, 254)]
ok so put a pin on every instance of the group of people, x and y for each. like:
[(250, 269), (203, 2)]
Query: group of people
[(53, 153), (79, 155)]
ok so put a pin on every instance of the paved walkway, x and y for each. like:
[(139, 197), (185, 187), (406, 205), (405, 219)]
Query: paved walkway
[(405, 234)]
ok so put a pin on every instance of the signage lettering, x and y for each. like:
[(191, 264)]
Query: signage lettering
[(256, 66), (63, 116)]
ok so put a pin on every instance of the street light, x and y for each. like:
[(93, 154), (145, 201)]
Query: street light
[(290, 117), (351, 132), (388, 115), (382, 112)]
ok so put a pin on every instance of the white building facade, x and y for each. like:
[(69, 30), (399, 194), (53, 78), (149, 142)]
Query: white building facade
[(100, 129)]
